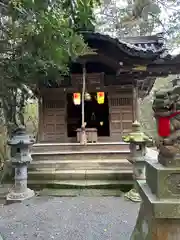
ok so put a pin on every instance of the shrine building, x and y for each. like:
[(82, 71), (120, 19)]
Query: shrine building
[(116, 75)]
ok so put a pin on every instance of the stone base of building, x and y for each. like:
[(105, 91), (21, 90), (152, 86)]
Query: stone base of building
[(158, 218), (14, 197)]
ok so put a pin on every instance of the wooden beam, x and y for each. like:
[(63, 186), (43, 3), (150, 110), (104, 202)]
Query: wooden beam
[(154, 69), (101, 58)]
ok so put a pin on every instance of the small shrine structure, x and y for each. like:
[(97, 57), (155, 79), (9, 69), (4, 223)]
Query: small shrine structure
[(121, 71)]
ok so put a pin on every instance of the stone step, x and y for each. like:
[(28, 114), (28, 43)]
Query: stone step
[(45, 147), (75, 192), (66, 184), (79, 164), (57, 175), (79, 155)]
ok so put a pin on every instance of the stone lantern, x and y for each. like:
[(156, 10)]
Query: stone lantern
[(137, 144), (20, 158)]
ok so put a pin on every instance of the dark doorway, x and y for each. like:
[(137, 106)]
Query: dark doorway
[(96, 115)]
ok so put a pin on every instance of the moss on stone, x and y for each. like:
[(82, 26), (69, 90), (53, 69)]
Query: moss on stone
[(136, 135)]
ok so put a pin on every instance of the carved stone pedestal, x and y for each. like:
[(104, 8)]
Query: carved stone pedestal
[(159, 218), (159, 215)]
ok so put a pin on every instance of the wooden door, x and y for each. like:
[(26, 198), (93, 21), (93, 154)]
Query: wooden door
[(121, 114), (54, 120)]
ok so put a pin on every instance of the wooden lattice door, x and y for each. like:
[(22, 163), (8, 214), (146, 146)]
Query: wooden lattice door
[(121, 114), (54, 120)]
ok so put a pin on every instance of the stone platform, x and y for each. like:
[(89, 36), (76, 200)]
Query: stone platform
[(71, 164)]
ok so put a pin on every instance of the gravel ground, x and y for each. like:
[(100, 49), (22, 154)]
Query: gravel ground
[(78, 218)]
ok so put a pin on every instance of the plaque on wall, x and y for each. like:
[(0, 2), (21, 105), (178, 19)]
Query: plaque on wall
[(63, 81), (92, 80)]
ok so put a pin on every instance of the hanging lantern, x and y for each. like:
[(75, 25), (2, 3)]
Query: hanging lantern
[(87, 96), (100, 97), (77, 98)]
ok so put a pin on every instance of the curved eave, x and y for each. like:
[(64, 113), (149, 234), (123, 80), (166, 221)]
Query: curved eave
[(175, 60), (126, 48), (167, 59)]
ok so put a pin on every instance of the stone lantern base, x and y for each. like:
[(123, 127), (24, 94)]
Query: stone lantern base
[(14, 196), (20, 191)]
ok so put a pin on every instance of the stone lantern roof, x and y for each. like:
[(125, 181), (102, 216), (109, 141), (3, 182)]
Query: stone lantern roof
[(136, 136), (19, 137)]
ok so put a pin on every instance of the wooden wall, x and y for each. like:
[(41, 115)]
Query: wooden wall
[(53, 128)]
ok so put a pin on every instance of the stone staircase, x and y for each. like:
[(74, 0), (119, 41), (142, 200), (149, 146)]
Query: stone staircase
[(71, 164)]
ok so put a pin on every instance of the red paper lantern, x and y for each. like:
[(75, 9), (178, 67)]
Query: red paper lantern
[(77, 98), (100, 97)]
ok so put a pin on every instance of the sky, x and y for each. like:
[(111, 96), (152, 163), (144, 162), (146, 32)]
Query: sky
[(166, 12)]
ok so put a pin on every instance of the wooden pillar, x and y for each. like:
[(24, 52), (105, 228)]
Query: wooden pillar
[(40, 120), (138, 109), (136, 104), (83, 138), (83, 94)]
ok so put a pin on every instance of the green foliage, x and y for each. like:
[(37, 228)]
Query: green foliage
[(31, 118), (146, 113), (44, 36), (3, 146), (38, 39)]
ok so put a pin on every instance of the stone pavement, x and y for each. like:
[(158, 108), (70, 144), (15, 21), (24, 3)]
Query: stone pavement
[(69, 218)]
